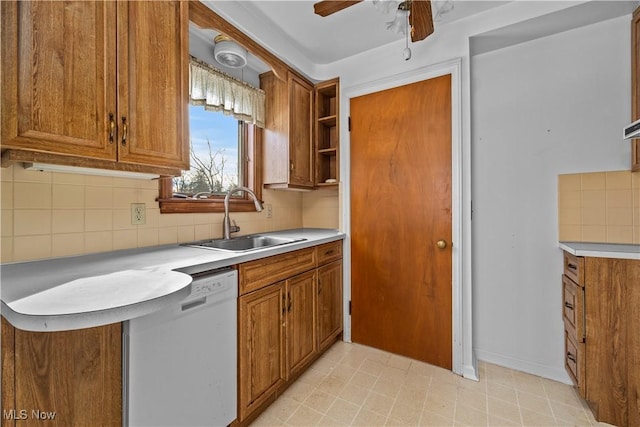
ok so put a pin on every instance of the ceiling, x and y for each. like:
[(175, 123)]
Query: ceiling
[(328, 39)]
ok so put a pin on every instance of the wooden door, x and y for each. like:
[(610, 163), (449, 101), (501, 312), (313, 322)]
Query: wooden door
[(261, 343), (300, 132), (301, 337), (153, 83), (400, 209), (59, 77), (329, 303)]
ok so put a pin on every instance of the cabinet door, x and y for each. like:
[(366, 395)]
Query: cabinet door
[(633, 340), (300, 132), (606, 349), (329, 303), (260, 346), (76, 374), (59, 77), (152, 83), (301, 338)]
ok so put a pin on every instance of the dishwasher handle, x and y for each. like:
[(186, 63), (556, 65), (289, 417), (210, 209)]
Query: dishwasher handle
[(193, 304)]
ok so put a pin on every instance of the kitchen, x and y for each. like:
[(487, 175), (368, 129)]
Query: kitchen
[(515, 214)]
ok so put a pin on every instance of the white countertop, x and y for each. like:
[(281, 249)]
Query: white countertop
[(93, 290), (602, 250)]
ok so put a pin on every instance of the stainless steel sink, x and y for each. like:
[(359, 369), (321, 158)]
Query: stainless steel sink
[(244, 243)]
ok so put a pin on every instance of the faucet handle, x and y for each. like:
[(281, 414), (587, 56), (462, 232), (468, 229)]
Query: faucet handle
[(234, 228)]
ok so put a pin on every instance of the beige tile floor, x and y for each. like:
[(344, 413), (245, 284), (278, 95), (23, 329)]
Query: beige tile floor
[(354, 385)]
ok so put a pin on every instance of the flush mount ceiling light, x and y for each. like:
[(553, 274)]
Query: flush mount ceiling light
[(229, 53)]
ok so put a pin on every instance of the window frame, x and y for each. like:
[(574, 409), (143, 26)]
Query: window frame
[(252, 178), (204, 17)]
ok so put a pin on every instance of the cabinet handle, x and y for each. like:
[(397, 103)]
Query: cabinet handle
[(571, 357), (572, 266), (284, 304), (291, 166), (124, 130), (289, 307), (112, 128), (568, 305), (331, 252)]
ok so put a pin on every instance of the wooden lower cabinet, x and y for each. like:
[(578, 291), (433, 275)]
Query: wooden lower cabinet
[(607, 362), (329, 303), (300, 321), (70, 378), (261, 341), (285, 324)]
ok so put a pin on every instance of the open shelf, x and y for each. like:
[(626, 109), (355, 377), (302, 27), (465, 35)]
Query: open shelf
[(327, 133)]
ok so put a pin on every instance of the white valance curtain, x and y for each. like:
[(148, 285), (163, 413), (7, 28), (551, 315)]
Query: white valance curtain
[(218, 91)]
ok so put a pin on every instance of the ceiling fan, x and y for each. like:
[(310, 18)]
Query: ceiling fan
[(420, 16)]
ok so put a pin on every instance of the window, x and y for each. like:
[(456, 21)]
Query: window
[(217, 151), (224, 115), (248, 161)]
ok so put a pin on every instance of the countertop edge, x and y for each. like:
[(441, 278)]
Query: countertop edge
[(206, 259), (601, 250), (69, 322)]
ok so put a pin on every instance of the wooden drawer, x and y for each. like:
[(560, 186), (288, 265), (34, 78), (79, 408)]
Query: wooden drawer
[(329, 252), (574, 362), (262, 272), (574, 268), (573, 309)]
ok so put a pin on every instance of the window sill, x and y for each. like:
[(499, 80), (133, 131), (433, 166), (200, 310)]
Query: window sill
[(168, 206)]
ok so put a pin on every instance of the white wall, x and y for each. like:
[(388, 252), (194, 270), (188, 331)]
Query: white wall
[(449, 42), (542, 108)]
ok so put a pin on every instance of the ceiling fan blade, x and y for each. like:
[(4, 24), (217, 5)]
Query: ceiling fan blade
[(420, 19), (327, 7)]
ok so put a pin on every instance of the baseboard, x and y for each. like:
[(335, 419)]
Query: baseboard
[(524, 366), (470, 372)]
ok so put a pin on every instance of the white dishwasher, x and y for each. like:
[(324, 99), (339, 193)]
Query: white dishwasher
[(180, 362)]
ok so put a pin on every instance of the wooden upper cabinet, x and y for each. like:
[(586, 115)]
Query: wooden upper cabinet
[(635, 85), (288, 135), (327, 132), (301, 132), (153, 60), (97, 80), (59, 77)]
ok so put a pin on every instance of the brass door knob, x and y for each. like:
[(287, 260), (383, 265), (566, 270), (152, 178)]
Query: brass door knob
[(441, 244)]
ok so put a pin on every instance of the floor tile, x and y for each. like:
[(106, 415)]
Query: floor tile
[(354, 385)]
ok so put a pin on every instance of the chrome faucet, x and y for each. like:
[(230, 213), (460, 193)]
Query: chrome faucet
[(226, 224)]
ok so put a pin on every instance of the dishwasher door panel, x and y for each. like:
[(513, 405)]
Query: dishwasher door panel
[(182, 365)]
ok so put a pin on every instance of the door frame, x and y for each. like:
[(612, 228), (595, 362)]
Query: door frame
[(463, 362)]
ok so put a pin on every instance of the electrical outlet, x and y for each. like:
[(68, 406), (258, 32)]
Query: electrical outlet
[(138, 213), (269, 211)]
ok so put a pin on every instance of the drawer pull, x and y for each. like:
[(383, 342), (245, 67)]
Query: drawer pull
[(571, 357), (568, 305), (572, 266), (331, 252)]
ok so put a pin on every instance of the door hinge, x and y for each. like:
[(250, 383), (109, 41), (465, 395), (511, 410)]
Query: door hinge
[(349, 124), (349, 307)]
